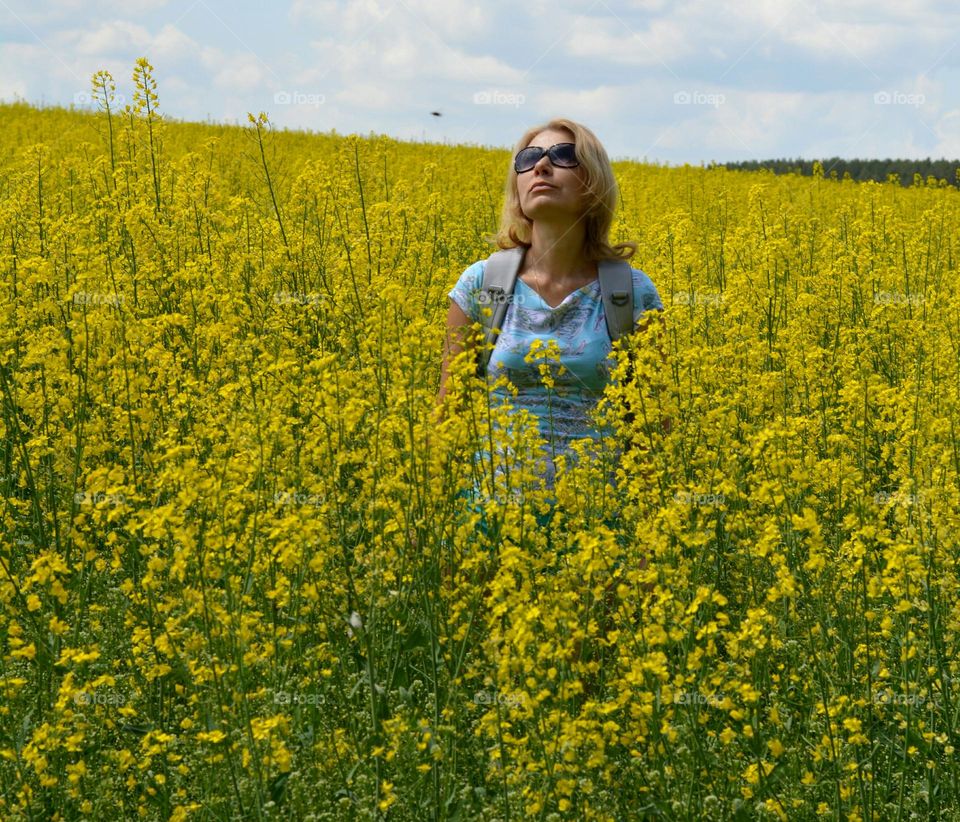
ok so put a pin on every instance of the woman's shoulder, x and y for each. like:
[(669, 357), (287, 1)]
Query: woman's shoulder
[(472, 276), (466, 289), (640, 276), (475, 269), (645, 293)]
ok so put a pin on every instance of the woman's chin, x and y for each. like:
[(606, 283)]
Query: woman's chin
[(548, 213)]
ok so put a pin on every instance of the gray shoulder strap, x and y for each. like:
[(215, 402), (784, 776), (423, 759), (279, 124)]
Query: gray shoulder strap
[(499, 279), (616, 286)]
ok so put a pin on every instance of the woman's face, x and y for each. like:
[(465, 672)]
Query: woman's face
[(547, 191)]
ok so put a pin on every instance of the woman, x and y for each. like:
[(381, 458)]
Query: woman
[(559, 206)]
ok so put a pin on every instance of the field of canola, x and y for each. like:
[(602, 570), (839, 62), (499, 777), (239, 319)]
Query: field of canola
[(237, 580)]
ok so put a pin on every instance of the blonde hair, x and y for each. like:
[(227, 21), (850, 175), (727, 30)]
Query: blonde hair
[(515, 226)]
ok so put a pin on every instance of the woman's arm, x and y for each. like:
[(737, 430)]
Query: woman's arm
[(458, 324)]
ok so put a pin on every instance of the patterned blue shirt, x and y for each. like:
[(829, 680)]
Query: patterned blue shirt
[(578, 326)]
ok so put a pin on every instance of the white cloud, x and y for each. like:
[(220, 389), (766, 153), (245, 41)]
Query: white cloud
[(172, 44), (662, 42), (456, 65), (867, 36), (764, 125), (368, 96), (404, 50), (312, 10), (398, 63), (604, 101), (948, 135), (74, 12), (753, 122), (741, 124), (239, 73), (649, 5), (458, 20), (110, 38), (797, 75), (867, 42), (12, 82), (449, 20)]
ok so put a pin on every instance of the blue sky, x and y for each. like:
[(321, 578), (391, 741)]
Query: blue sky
[(668, 82)]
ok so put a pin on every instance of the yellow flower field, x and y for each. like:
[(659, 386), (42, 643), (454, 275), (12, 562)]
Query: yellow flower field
[(238, 578)]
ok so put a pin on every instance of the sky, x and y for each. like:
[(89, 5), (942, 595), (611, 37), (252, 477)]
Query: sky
[(670, 82)]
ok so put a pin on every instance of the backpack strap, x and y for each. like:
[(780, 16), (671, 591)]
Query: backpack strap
[(499, 279), (616, 287)]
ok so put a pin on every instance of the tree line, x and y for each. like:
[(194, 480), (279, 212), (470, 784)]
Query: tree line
[(906, 172)]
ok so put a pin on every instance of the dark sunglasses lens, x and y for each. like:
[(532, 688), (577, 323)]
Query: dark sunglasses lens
[(564, 155), (527, 159)]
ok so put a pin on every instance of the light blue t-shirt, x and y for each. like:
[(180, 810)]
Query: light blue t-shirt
[(579, 327)]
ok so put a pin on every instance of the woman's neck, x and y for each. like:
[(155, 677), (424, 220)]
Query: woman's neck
[(556, 250)]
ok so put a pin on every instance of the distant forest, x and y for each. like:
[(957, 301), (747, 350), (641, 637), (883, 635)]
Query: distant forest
[(906, 172)]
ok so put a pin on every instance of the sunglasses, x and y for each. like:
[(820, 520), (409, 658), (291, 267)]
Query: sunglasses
[(562, 155)]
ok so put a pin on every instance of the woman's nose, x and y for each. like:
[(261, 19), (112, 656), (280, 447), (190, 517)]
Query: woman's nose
[(542, 163)]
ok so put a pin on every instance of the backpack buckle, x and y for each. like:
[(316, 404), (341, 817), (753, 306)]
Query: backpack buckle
[(619, 298)]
